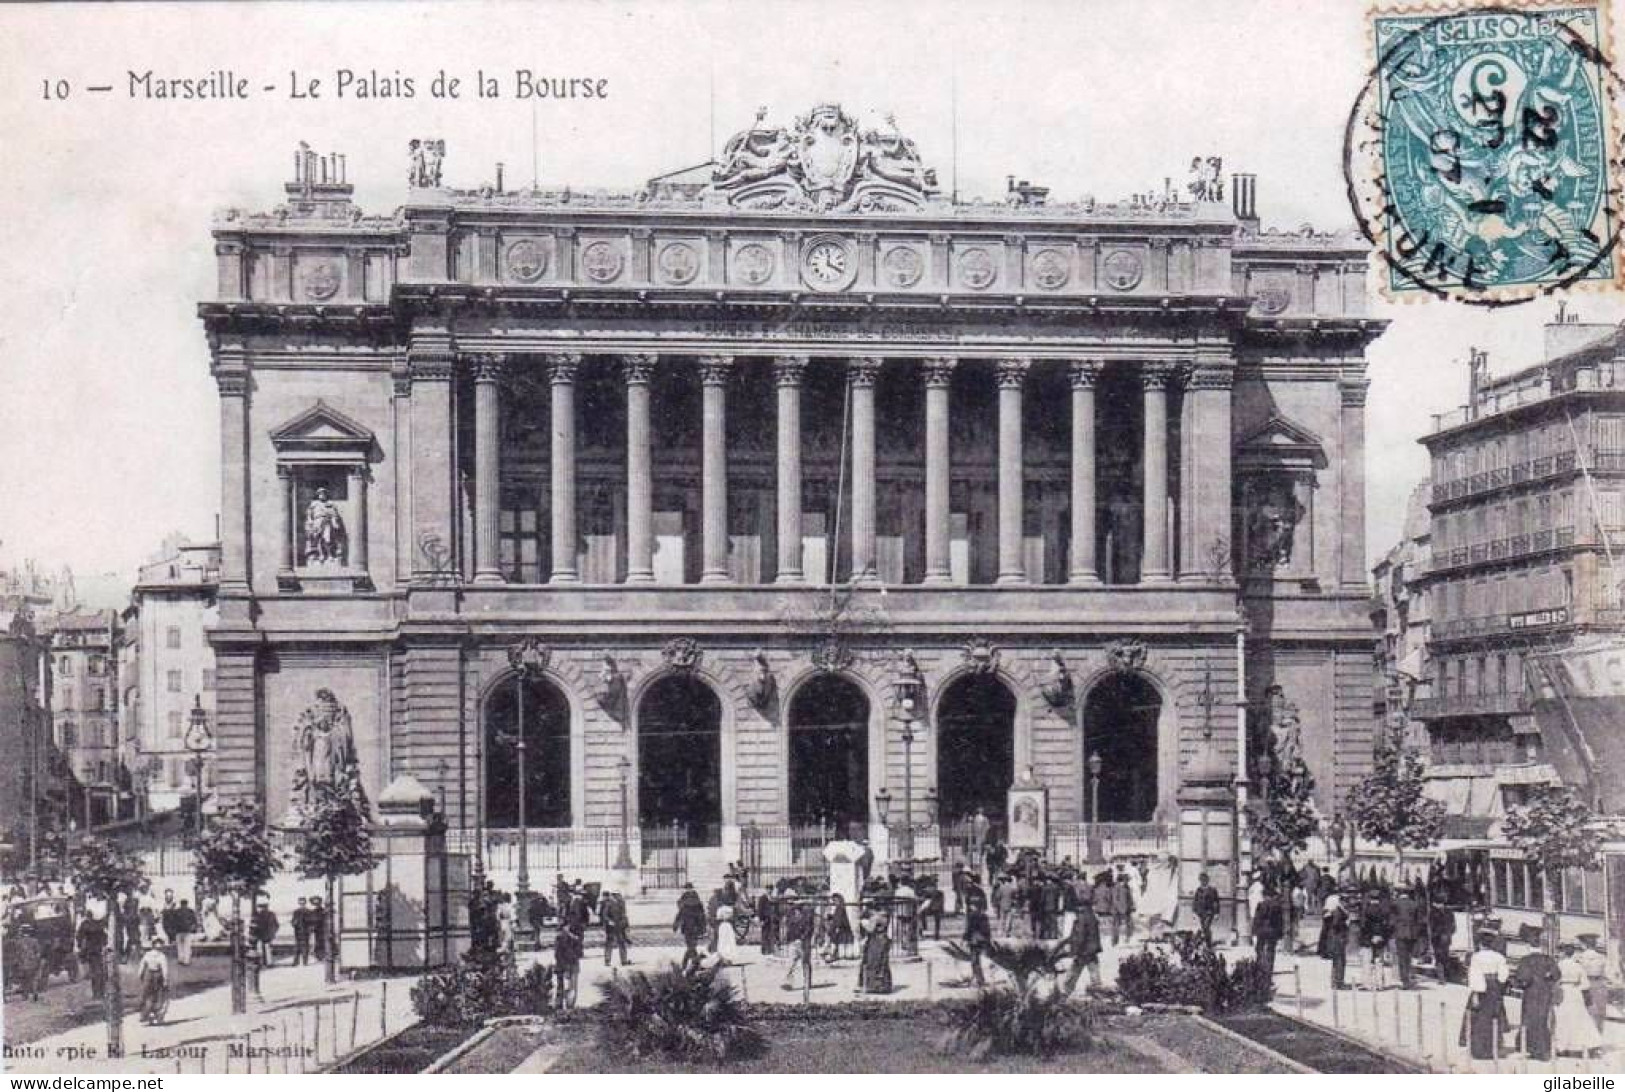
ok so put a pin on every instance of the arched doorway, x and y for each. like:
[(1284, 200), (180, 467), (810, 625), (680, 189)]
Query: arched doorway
[(976, 748), (1120, 725), (680, 758), (829, 753), (547, 755)]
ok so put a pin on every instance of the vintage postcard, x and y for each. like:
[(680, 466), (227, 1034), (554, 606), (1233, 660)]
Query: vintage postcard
[(633, 538)]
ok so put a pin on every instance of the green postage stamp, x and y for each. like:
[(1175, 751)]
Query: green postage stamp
[(1482, 158)]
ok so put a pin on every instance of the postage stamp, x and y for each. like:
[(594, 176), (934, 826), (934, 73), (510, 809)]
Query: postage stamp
[(1482, 157)]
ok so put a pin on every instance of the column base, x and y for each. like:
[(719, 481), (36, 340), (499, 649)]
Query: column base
[(938, 576), (489, 576), (640, 576), (565, 576), (1011, 578), (1083, 576), (790, 576), (868, 578), (1156, 576), (716, 576)]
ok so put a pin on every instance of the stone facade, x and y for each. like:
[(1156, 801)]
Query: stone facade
[(607, 421)]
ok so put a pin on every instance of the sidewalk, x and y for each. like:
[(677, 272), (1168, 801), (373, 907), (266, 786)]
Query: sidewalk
[(1421, 1025), (299, 1024)]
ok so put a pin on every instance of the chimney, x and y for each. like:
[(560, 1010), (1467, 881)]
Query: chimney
[(499, 177), (1244, 195), (1478, 366)]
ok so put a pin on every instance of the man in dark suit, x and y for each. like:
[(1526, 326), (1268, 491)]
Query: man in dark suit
[(300, 919), (612, 912), (1269, 926), (1407, 927), (1334, 937), (1122, 908), (1084, 941), (690, 923), (1205, 905)]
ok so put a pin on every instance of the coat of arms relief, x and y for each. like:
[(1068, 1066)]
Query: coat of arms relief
[(824, 163)]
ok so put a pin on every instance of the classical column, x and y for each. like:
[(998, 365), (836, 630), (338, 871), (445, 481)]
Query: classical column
[(434, 559), (562, 374), (1082, 570), (1012, 373), (638, 369), (233, 388), (1351, 390), (358, 518), (1154, 462), (939, 371), (714, 372), (487, 467), (788, 371), (290, 524), (1207, 423), (861, 372)]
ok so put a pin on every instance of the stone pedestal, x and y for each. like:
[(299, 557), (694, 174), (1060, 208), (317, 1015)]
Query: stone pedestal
[(1207, 835), (846, 862), (411, 910)]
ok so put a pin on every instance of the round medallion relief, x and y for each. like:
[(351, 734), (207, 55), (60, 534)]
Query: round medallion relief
[(903, 266), (976, 269), (1050, 269), (754, 263), (322, 280), (1123, 269), (602, 261), (527, 260), (678, 263), (1272, 293)]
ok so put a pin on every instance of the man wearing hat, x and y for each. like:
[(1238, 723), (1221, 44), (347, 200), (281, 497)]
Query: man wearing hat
[(153, 972), (690, 923), (1205, 905), (1084, 942)]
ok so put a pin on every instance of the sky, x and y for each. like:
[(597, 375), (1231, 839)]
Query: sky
[(108, 417)]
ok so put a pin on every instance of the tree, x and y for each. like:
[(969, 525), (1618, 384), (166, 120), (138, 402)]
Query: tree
[(105, 871), (1556, 831), (1389, 804), (236, 857), (337, 842)]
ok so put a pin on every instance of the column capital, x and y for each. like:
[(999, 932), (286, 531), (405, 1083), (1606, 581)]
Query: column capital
[(1013, 371), (561, 367), (789, 368), (488, 367), (1084, 373), (284, 471), (638, 367), (428, 365), (1352, 391), (714, 369), (861, 371), (1209, 376), (1155, 375), (939, 370), (231, 384), (401, 380)]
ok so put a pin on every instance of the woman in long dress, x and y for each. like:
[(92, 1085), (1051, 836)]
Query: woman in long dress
[(875, 974), (1487, 973), (213, 927), (1575, 1032), (727, 939)]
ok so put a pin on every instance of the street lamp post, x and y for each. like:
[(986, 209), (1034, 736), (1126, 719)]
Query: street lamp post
[(623, 854), (528, 660), (910, 691), (883, 811), (1094, 788), (198, 741)]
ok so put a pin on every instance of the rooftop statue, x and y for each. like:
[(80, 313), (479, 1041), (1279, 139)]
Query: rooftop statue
[(824, 163)]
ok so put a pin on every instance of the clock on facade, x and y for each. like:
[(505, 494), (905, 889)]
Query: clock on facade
[(827, 264)]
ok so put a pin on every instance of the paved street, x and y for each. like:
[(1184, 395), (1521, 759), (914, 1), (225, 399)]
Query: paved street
[(66, 1005)]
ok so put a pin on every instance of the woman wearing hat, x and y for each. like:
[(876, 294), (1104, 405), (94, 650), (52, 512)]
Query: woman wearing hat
[(1487, 973), (1575, 1031), (874, 976)]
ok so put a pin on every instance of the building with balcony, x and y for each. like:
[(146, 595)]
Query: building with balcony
[(693, 474), (1528, 514), (84, 706), (1399, 610), (172, 607)]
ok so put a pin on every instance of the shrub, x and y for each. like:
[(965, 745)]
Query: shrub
[(678, 1013), (1005, 1021), (1197, 975), (483, 986)]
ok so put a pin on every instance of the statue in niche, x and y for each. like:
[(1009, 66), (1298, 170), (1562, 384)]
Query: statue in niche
[(1057, 689), (1272, 522), (324, 749), (763, 692), (324, 531), (612, 690)]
